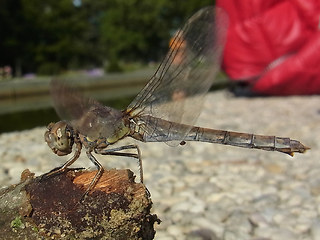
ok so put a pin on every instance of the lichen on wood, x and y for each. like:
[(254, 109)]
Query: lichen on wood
[(117, 208)]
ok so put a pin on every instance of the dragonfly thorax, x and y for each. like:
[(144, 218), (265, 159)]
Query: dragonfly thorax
[(59, 138)]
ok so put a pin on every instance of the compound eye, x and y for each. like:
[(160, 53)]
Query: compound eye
[(58, 138)]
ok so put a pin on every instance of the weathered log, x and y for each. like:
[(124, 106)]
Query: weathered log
[(117, 208)]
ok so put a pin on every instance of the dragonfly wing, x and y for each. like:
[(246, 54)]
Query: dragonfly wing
[(87, 115), (176, 91)]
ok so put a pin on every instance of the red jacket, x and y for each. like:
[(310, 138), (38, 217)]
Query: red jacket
[(274, 45)]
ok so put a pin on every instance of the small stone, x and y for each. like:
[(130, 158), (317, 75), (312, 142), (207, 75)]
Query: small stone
[(206, 223), (265, 200), (238, 226), (315, 187), (163, 235), (202, 234), (274, 168), (295, 200), (315, 229), (175, 231), (230, 234), (281, 217), (258, 220), (182, 206), (274, 233)]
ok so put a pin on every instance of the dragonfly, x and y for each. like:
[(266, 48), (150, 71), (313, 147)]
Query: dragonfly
[(165, 110)]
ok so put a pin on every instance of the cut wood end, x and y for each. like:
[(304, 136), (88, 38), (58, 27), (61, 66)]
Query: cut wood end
[(117, 207), (111, 181)]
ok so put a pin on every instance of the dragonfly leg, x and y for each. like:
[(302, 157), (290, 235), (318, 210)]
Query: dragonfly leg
[(96, 177), (115, 152), (64, 167)]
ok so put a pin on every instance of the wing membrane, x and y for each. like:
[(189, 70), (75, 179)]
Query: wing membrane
[(87, 115), (175, 92)]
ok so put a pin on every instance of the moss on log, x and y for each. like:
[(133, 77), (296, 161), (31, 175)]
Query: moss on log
[(117, 208)]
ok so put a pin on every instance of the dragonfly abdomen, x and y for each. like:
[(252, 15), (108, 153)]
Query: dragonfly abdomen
[(246, 140), (151, 129)]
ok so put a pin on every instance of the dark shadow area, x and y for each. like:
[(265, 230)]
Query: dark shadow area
[(29, 119)]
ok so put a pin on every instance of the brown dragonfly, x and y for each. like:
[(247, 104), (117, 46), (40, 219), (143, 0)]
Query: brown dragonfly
[(164, 111)]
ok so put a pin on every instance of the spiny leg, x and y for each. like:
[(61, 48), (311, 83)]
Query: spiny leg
[(115, 152), (64, 167), (96, 177)]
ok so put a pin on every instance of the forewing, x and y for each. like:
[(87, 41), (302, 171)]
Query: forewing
[(176, 90)]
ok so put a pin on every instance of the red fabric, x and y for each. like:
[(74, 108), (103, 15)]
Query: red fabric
[(274, 45)]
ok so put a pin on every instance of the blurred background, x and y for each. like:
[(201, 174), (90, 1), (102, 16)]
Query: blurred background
[(113, 45), (111, 48)]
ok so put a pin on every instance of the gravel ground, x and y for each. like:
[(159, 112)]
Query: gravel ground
[(210, 191)]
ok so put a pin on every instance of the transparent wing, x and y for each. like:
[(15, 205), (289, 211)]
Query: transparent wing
[(176, 90), (87, 115)]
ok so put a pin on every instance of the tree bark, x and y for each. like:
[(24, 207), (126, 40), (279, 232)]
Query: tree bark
[(117, 208)]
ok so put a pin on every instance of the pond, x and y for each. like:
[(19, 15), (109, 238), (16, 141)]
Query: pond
[(21, 120), (27, 104)]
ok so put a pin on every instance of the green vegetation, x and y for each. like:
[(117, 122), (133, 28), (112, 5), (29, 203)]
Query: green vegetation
[(48, 37), (17, 224)]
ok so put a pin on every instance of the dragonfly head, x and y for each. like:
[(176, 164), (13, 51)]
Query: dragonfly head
[(59, 138)]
